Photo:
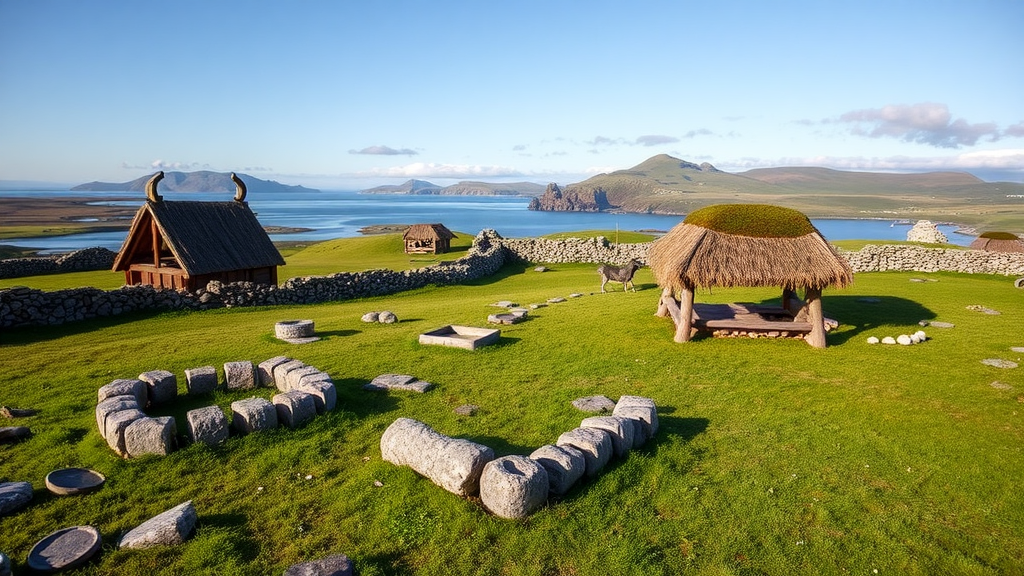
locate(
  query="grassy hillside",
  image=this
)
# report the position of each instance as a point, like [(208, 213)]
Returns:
[(773, 458)]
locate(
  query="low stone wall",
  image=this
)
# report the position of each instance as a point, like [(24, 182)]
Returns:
[(28, 307), (78, 261)]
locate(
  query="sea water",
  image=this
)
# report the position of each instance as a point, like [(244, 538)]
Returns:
[(341, 215)]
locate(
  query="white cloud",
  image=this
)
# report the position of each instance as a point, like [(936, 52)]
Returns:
[(384, 151), (434, 170), (926, 123), (655, 139)]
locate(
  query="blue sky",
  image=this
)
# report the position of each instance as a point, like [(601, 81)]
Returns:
[(344, 95)]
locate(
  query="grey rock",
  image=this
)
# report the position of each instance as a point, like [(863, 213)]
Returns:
[(252, 415), (115, 425), (936, 324), (398, 382), (505, 304), (150, 436), (387, 317), (622, 431), (65, 549), (295, 376), (999, 363), (540, 269), (14, 433), (113, 404), (265, 370), (594, 404), (240, 375), (505, 318), (168, 528), (556, 300), (325, 395), (281, 373), (289, 330), (565, 465), (161, 385), (14, 495), (640, 408), (452, 463), (983, 310), (1001, 385), (467, 410), (5, 565), (513, 486), (336, 565), (370, 317), (207, 425), (594, 443), (1017, 349), (294, 408), (202, 380), (125, 387), (317, 376)]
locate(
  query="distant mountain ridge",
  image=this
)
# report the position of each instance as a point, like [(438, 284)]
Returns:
[(201, 181), (464, 188)]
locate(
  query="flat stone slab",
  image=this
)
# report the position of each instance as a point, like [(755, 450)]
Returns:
[(168, 528), (14, 495), (594, 404), (162, 386), (505, 304), (1017, 349), (1001, 385), (983, 310), (505, 318), (467, 410), (65, 549), (937, 324), (74, 481), (467, 337), (556, 300), (336, 565), (999, 363), (14, 433), (208, 425), (397, 382)]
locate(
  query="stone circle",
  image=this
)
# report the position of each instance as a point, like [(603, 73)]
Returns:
[(323, 392), (621, 430), (336, 565), (150, 436), (125, 387), (73, 481), (168, 528), (14, 495), (265, 370), (207, 425), (161, 385), (513, 486), (294, 408), (65, 549)]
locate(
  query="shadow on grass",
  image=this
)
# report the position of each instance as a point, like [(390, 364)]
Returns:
[(352, 398), (507, 270), (501, 446), (340, 333), (868, 313), (385, 564)]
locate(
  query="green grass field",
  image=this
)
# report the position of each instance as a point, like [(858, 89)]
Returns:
[(773, 457)]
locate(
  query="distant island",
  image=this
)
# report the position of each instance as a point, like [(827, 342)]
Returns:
[(465, 188), (201, 181)]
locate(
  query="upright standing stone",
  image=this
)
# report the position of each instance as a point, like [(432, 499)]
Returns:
[(452, 463), (621, 430), (252, 415), (565, 465), (594, 443), (116, 424), (14, 495), (294, 408), (266, 370), (513, 486), (110, 405), (161, 385), (239, 375), (150, 436), (325, 396), (166, 529), (207, 425), (202, 380), (124, 387), (642, 409)]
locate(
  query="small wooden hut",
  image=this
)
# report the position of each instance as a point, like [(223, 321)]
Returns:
[(998, 242), (185, 245), (747, 245), (428, 239)]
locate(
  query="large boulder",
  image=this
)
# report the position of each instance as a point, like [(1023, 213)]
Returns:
[(565, 465), (166, 529), (125, 387), (622, 431), (513, 486), (150, 436), (452, 463), (594, 443), (208, 425), (14, 495), (161, 385)]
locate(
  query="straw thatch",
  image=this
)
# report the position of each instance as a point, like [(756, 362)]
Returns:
[(998, 242), (428, 232), (699, 256), (204, 237)]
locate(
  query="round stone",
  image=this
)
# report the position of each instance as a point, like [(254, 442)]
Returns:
[(65, 549), (873, 340), (387, 317), (904, 340), (71, 481), (289, 329)]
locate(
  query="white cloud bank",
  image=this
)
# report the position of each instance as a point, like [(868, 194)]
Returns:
[(926, 123)]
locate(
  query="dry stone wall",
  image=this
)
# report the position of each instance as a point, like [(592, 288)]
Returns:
[(22, 306), (78, 261)]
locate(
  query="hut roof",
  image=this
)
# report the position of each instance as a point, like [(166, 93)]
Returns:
[(747, 245), (207, 237), (427, 232), (998, 242)]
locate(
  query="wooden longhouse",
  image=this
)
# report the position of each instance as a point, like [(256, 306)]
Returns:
[(427, 239), (185, 245), (747, 245)]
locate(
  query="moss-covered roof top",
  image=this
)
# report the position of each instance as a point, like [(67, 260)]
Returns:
[(999, 235), (753, 220)]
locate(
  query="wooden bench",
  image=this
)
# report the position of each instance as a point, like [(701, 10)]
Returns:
[(741, 318)]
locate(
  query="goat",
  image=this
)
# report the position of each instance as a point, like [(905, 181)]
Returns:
[(622, 274)]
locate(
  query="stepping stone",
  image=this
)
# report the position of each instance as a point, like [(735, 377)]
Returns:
[(594, 443), (594, 404), (253, 415), (161, 385), (505, 304), (265, 371), (115, 426), (14, 433), (65, 549), (467, 410), (336, 565), (294, 408), (240, 375), (165, 529), (74, 481), (281, 373), (538, 305), (150, 436), (937, 324), (208, 425), (505, 318), (565, 465), (14, 495), (575, 295), (513, 486), (999, 363), (202, 380), (111, 405), (556, 300), (325, 395), (622, 431), (983, 310), (1001, 385), (397, 382), (123, 387), (1017, 349), (540, 269)]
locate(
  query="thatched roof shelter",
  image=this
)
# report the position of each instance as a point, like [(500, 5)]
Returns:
[(998, 242), (184, 245), (427, 238), (747, 245)]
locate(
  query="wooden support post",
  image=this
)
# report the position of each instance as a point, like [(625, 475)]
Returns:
[(156, 242), (685, 325), (662, 305), (816, 317)]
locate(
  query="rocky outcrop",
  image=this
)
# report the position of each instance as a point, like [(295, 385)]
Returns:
[(927, 232), (573, 199)]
